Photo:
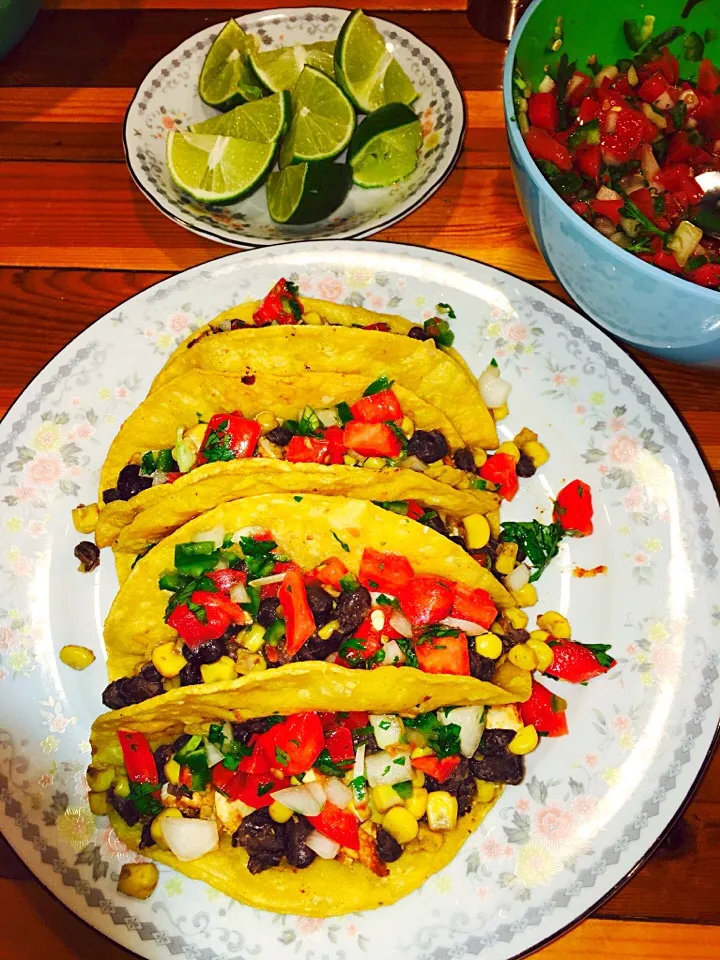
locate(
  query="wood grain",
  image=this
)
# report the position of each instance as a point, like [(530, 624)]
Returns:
[(238, 6)]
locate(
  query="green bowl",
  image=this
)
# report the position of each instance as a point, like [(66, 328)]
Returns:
[(16, 18)]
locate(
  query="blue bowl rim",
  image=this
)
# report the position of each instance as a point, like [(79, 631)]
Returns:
[(648, 270)]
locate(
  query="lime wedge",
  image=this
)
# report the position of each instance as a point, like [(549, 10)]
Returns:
[(279, 69), (217, 170), (226, 78), (321, 55), (263, 121), (322, 123), (384, 148), (365, 68), (307, 192)]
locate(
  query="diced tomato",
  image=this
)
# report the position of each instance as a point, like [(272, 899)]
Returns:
[(312, 450), (223, 778), (269, 590), (545, 711), (543, 146), (229, 436), (256, 790), (338, 825), (708, 80), (500, 469), (233, 611), (281, 305), (356, 718), (588, 159), (299, 621), (475, 605), (578, 663), (608, 208), (622, 85), (384, 571), (173, 476), (444, 655), (414, 510), (643, 200), (666, 64), (620, 145), (377, 408), (574, 510), (364, 643), (666, 261), (589, 110), (426, 600), (578, 86), (339, 744), (185, 778), (256, 763), (438, 769), (334, 436), (330, 572), (225, 580), (293, 745), (543, 111), (372, 439), (139, 761), (195, 631), (651, 88), (380, 325), (708, 275)]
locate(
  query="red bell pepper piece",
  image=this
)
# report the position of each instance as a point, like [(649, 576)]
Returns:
[(139, 760), (653, 87), (173, 476), (384, 571), (185, 777), (380, 325), (338, 825), (500, 469), (589, 110), (292, 746), (544, 711), (543, 146), (299, 621), (281, 305), (436, 768), (666, 261), (444, 655), (372, 439), (574, 510), (414, 510), (225, 580), (330, 572), (361, 646), (543, 111), (312, 450), (708, 275), (339, 744), (577, 87), (426, 600), (475, 605), (708, 81), (578, 663), (588, 159), (608, 208), (229, 436), (377, 408), (194, 631)]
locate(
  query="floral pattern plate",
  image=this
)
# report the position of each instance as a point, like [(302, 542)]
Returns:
[(167, 99), (593, 803)]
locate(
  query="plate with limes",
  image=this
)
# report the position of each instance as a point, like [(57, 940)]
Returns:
[(294, 123)]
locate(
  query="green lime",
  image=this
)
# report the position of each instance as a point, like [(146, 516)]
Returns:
[(263, 121), (280, 69), (365, 68), (321, 55), (307, 192), (217, 170), (384, 148), (323, 120), (226, 78)]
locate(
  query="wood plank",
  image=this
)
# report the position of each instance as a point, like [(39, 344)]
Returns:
[(137, 39), (243, 5)]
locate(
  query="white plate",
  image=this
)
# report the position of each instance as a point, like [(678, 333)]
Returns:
[(593, 802), (167, 99)]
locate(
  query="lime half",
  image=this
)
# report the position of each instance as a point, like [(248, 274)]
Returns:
[(214, 169), (384, 148), (226, 78), (321, 55), (323, 120), (307, 192), (263, 121), (365, 68), (280, 69)]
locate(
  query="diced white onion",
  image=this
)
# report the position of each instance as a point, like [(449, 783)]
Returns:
[(494, 390), (388, 729), (323, 846), (393, 653), (261, 581), (413, 463), (328, 418), (227, 731), (388, 768), (546, 85), (247, 532), (213, 754), (611, 122), (491, 371), (518, 578), (649, 165), (399, 622), (358, 777), (238, 593), (657, 118), (684, 241), (190, 839), (467, 626), (300, 800), (611, 72), (377, 619), (664, 101), (338, 793), (216, 535), (605, 193), (470, 721), (573, 83), (316, 789), (158, 478)]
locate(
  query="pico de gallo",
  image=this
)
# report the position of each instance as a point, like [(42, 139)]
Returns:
[(623, 143)]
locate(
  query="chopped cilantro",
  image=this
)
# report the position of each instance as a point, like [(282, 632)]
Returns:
[(298, 499), (342, 543), (540, 542), (282, 757), (377, 386), (444, 739), (444, 309), (329, 767)]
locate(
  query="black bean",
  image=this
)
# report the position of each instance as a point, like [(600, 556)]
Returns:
[(180, 742), (109, 496), (428, 446), (150, 673), (126, 809), (162, 755), (259, 834), (317, 649), (130, 483), (435, 523), (190, 675), (88, 555), (512, 637), (128, 690), (525, 467), (419, 333), (460, 541), (208, 652), (248, 728), (494, 762), (112, 696), (297, 852), (259, 862), (352, 606), (146, 838), (464, 460), (453, 783), (482, 668), (268, 611), (321, 605), (280, 436), (239, 324), (388, 849), (365, 735)]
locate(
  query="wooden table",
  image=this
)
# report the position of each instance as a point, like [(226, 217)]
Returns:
[(77, 237)]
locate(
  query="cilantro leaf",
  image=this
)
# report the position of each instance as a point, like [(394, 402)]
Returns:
[(539, 541)]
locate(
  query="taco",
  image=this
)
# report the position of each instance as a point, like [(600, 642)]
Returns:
[(306, 790), (270, 580), (286, 349)]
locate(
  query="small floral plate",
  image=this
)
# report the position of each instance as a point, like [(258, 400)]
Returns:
[(168, 99), (593, 803)]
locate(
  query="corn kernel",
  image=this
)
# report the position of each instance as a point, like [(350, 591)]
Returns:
[(121, 787), (480, 458), (172, 772), (171, 683), (99, 780), (407, 427), (555, 624), (488, 645), (385, 797), (524, 437), (526, 596), (506, 557), (477, 531), (98, 803), (516, 617), (259, 664), (76, 657), (418, 778), (538, 453), (493, 519), (279, 812), (85, 518), (156, 831), (138, 880), (523, 656), (314, 319), (539, 635), (497, 629), (524, 741), (268, 421), (442, 811), (401, 825), (222, 669), (329, 629), (542, 651), (499, 413), (417, 803), (375, 463), (253, 638), (421, 752), (166, 659), (485, 791), (375, 814), (510, 448)]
